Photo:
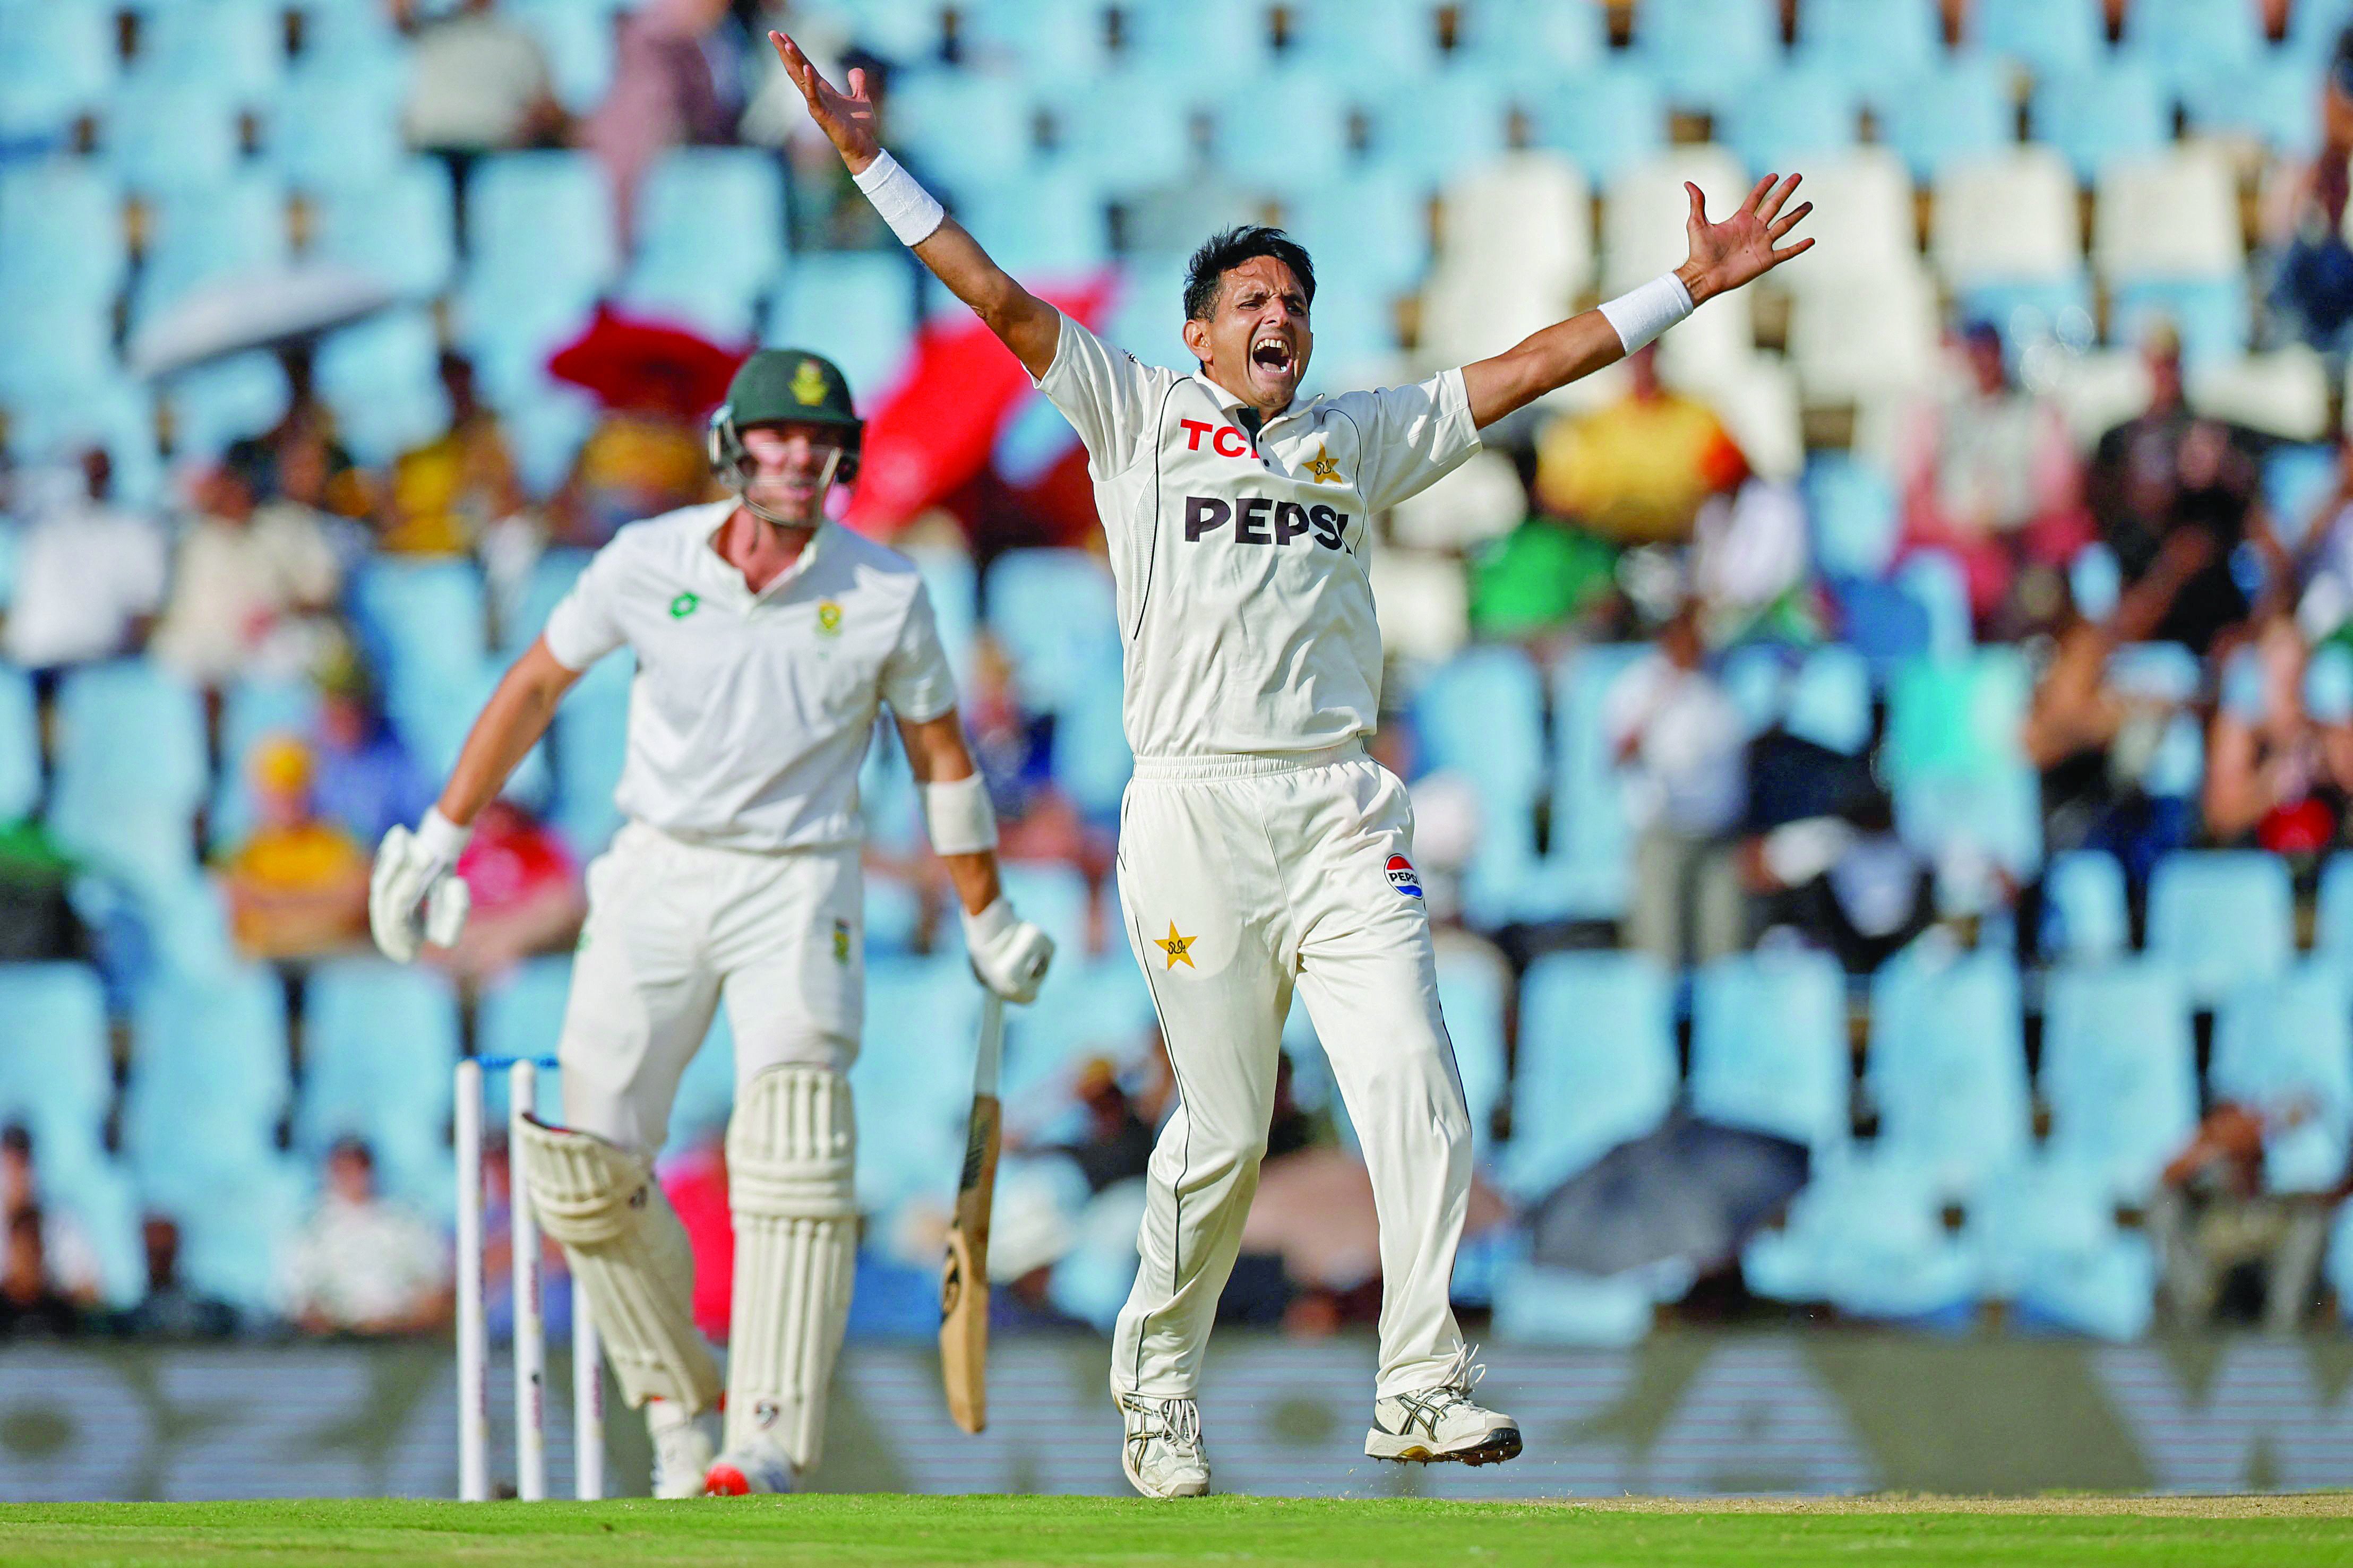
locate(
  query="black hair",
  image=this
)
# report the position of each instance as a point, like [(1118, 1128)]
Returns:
[(1229, 248)]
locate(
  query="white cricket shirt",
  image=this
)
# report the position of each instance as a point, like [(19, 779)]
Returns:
[(750, 712), (1246, 614)]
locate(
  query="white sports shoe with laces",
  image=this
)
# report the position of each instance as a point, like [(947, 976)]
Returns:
[(682, 1452), (1162, 1453), (1434, 1424)]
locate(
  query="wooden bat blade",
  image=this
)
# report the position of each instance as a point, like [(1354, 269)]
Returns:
[(964, 1281)]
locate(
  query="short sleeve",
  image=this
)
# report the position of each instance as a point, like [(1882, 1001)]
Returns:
[(916, 681), (1106, 394), (1412, 436), (586, 624)]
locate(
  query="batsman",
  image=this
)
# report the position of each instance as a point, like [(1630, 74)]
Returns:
[(1260, 848), (767, 638)]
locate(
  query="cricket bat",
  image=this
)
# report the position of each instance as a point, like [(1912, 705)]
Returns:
[(964, 1284)]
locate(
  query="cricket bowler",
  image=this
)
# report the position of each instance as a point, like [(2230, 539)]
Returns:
[(767, 639), (1260, 846)]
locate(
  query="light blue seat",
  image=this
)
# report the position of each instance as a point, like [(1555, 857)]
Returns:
[(1947, 1064), (1052, 612), (2299, 478), (2119, 1072), (1053, 894), (1440, 125), (1769, 1047), (1799, 114), (1088, 1008), (1472, 990), (1316, 108), (1053, 221), (355, 46), (62, 230), (1375, 222), (1875, 47), (2032, 311), (954, 589), (542, 217), (1537, 1304), (379, 1042), (55, 1077), (236, 46), (1365, 41), (2045, 35), (1954, 763), (521, 621), (1704, 52), (1047, 38), (508, 329), (706, 1091), (2267, 97), (164, 134), (2314, 27), (590, 740), (921, 1015), (1755, 676), (401, 226), (1852, 506), (578, 37), (1590, 857), (131, 769), (1867, 1234), (2284, 1047), (1950, 114), (2084, 913), (2101, 116), (381, 380), (1597, 1065), (1828, 699), (2212, 315), (1608, 120), (2220, 919), (56, 62), (963, 128), (1532, 42), (211, 234), (254, 707), (217, 404), (20, 745), (2160, 671), (323, 135), (2046, 1240), (2184, 40), (232, 1245), (862, 306), (521, 1013), (2332, 938), (1481, 716), (1129, 127), (687, 269), (210, 1083), (427, 623)]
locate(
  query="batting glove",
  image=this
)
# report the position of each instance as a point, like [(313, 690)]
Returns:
[(414, 894), (1008, 953)]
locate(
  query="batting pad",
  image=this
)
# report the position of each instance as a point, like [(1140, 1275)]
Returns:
[(791, 1151), (631, 1254)]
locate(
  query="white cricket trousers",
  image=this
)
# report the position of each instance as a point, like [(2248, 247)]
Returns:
[(673, 927), (1241, 877)]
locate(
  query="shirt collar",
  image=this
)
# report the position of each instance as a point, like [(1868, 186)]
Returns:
[(1228, 402), (720, 569)]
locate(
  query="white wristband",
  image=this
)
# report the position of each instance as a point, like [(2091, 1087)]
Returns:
[(441, 838), (958, 817), (912, 212), (1641, 314)]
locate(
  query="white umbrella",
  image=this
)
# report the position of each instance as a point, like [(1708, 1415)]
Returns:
[(255, 310)]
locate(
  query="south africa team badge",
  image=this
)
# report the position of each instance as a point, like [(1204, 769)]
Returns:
[(1402, 878)]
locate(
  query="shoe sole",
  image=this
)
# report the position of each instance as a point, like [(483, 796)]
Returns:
[(1502, 1444), (1200, 1490)]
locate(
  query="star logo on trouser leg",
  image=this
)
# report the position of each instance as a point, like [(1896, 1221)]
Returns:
[(1179, 949)]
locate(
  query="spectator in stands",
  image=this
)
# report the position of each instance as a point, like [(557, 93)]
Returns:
[(361, 1264), (2175, 495), (527, 893), (172, 1309), (1989, 475), (1677, 734), (31, 1303), (640, 461), (1013, 749), (2305, 224), (445, 494), (298, 886), (89, 574), (1545, 577), (479, 83), (2323, 566), (2211, 1219), (2277, 775), (367, 781), (2094, 746), (251, 582), (1117, 1142), (498, 1256), (1635, 470), (664, 94), (69, 1259)]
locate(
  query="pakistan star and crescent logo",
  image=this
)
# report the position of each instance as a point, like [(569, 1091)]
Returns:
[(1179, 949), (684, 606), (1324, 467), (808, 384)]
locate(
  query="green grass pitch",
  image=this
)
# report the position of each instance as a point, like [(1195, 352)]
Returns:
[(2060, 1533)]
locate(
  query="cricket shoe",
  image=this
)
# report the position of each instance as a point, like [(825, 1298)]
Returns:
[(1431, 1426), (682, 1452), (1161, 1454), (755, 1468)]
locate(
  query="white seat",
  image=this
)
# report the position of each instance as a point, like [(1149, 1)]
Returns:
[(2173, 216), (1713, 343), (1862, 215), (1643, 224), (2283, 392), (2007, 220), (1424, 604), (2099, 391), (1482, 500), (1515, 250), (1861, 335)]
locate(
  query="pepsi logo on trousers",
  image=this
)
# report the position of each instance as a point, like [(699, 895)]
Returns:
[(1402, 878)]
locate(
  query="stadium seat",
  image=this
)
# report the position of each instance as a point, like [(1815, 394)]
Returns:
[(1587, 865), (2182, 41), (381, 380), (2047, 36), (2221, 919), (2096, 118), (2120, 1071), (1796, 117), (20, 746), (210, 1083), (427, 625), (235, 45), (1852, 508), (2161, 671), (62, 230), (217, 404), (1089, 1007), (590, 739), (541, 219), (2211, 314), (1829, 701), (1606, 120), (1539, 1305), (2174, 215), (2332, 937), (401, 228), (1480, 717), (963, 128), (2267, 99), (232, 1235), (1862, 219), (1047, 223), (210, 234), (523, 616), (1704, 52), (2283, 393), (675, 238), (1867, 1235), (130, 771), (578, 38), (1877, 48), (1531, 42), (1052, 611), (861, 306), (920, 1013), (379, 1042), (706, 1089), (253, 708), (955, 591), (1948, 1063), (1862, 335), (1128, 127), (1769, 1047), (55, 1077), (2283, 1047), (1472, 987), (56, 63), (1646, 207), (2083, 914), (355, 46), (1517, 251), (2032, 315), (323, 135), (1597, 1065), (1382, 38), (1950, 115), (2046, 1240), (2007, 220), (1376, 224), (170, 135)]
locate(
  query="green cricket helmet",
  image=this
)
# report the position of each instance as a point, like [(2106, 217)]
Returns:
[(784, 387)]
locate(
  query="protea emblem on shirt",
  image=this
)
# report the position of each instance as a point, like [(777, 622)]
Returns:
[(829, 618)]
